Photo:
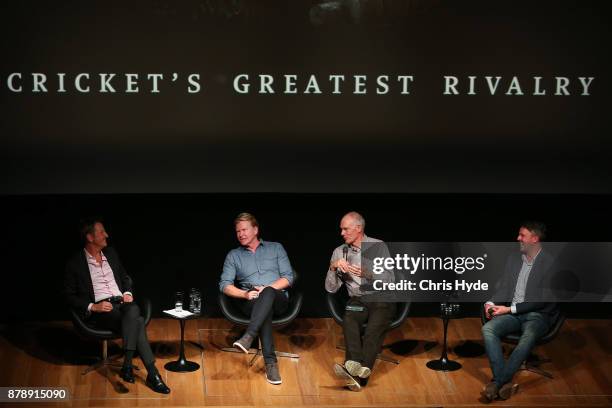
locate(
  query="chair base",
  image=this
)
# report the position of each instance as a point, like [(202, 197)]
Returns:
[(379, 356), (108, 362), (257, 352), (105, 361), (533, 364)]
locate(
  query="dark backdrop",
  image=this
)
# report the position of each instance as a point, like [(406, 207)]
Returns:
[(220, 141)]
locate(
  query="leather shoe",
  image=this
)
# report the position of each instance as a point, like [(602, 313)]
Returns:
[(507, 390), (490, 391), (156, 383), (127, 374)]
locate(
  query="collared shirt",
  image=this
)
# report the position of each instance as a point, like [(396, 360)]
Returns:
[(521, 282), (102, 278), (333, 281), (267, 264)]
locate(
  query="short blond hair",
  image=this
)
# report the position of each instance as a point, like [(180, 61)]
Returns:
[(245, 216)]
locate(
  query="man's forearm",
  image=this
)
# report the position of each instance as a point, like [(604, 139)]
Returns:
[(332, 282), (232, 291), (280, 284)]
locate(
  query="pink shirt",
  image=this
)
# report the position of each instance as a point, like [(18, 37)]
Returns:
[(102, 278)]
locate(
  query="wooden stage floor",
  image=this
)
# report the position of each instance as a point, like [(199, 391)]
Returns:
[(53, 355)]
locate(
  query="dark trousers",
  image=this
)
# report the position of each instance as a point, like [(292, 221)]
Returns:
[(125, 318), (270, 302), (377, 317)]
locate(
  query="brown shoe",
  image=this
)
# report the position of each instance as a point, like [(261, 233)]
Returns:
[(507, 390), (489, 392)]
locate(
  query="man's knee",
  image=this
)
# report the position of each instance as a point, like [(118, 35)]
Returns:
[(378, 326), (131, 311), (268, 291), (488, 330), (350, 320), (532, 333)]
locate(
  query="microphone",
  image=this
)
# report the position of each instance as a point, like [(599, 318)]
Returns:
[(339, 273)]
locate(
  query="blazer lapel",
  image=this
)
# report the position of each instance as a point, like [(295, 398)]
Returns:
[(538, 270)]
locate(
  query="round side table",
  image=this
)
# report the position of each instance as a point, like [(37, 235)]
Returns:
[(448, 311), (182, 364)]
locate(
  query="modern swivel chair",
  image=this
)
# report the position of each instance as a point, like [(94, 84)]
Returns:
[(236, 316), (534, 362), (336, 302), (105, 335)]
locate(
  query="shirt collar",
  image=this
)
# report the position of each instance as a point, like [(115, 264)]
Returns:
[(356, 248), (261, 243), (525, 260), (90, 257)]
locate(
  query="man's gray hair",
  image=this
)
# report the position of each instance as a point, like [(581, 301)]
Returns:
[(357, 218)]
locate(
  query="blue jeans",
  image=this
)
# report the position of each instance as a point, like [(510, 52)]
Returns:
[(532, 326)]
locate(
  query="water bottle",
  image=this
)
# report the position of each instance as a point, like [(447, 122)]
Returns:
[(197, 304), (192, 296)]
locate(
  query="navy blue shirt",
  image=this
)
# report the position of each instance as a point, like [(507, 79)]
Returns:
[(266, 265)]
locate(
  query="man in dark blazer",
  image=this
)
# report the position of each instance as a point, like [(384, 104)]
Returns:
[(98, 288), (517, 306)]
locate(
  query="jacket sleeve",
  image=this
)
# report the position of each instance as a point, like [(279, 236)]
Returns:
[(535, 296), (75, 294), (526, 307)]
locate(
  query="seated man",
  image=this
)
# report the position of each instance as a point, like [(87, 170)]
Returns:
[(517, 307), (345, 268), (257, 273), (98, 288)]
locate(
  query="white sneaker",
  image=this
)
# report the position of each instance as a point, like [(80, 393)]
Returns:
[(356, 369), (351, 382)]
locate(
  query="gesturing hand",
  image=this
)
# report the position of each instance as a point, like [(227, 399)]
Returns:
[(354, 270), (340, 264)]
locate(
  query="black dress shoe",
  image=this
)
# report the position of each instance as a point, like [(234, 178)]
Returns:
[(127, 374), (156, 383)]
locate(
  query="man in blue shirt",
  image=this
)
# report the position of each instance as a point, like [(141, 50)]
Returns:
[(257, 274)]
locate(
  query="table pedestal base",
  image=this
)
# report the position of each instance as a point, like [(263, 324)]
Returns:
[(181, 366), (443, 364)]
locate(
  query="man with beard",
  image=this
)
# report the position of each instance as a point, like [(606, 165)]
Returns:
[(517, 307)]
